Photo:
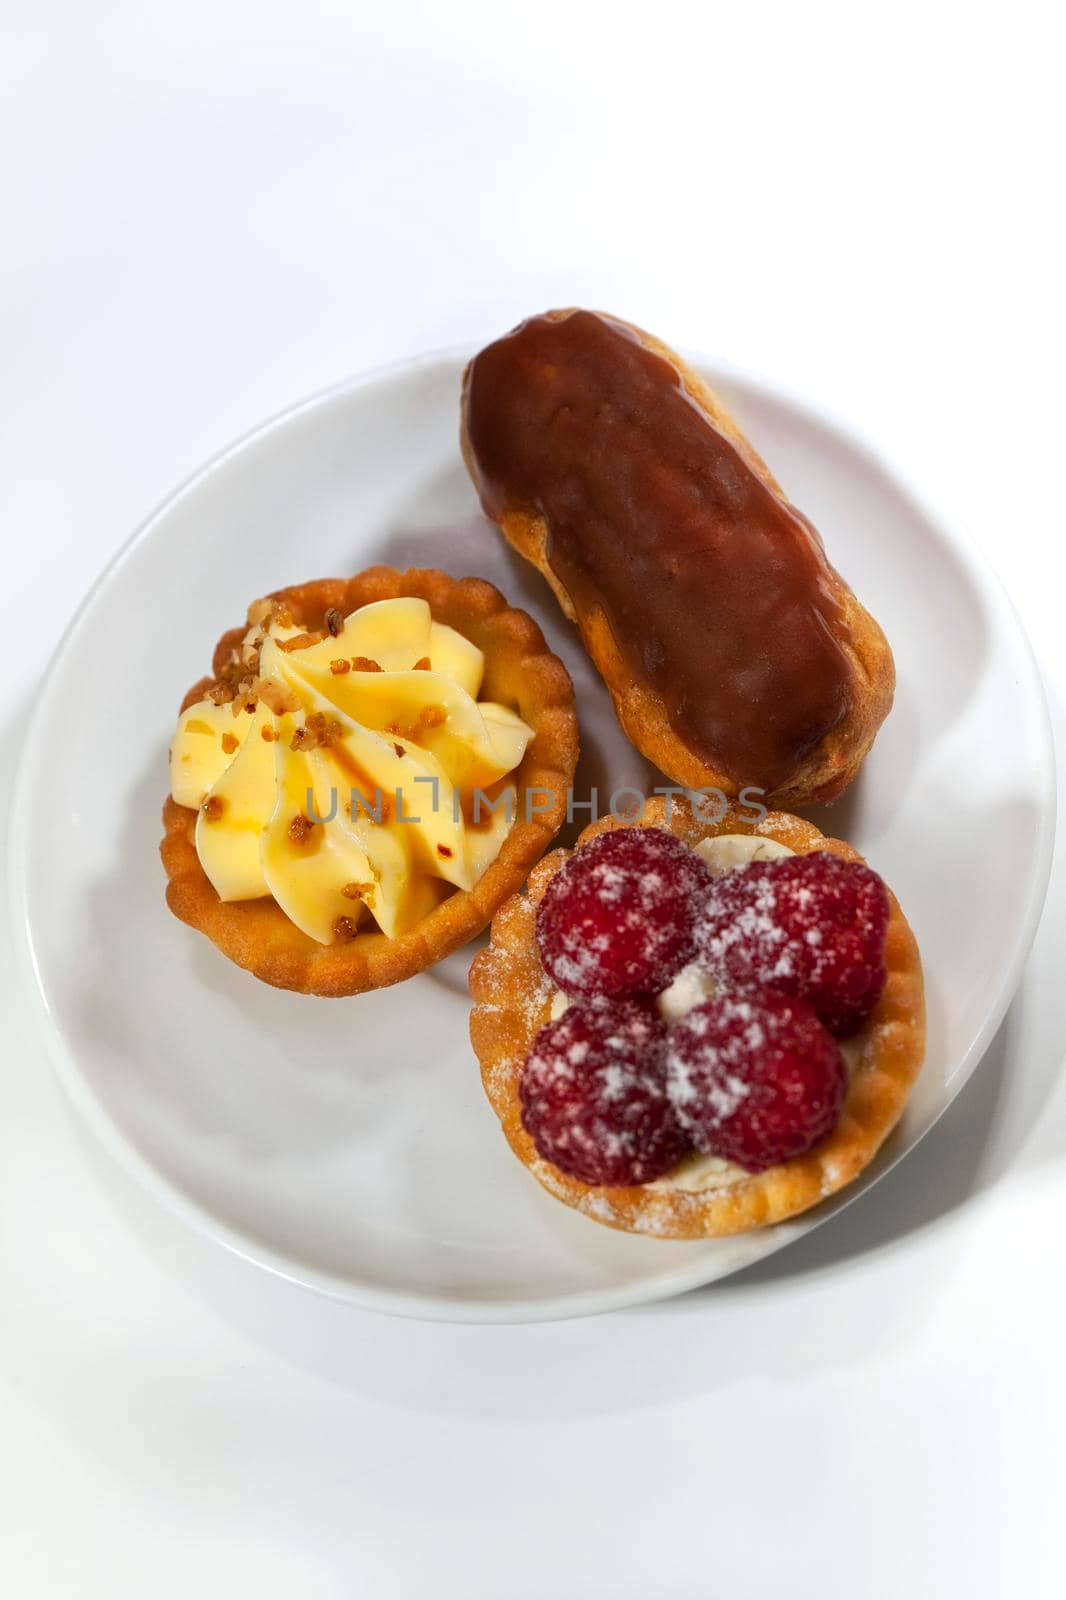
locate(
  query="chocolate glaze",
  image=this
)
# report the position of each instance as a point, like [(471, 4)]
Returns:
[(716, 590)]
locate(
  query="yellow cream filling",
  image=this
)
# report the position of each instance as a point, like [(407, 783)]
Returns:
[(378, 786)]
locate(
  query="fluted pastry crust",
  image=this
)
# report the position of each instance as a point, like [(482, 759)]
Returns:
[(827, 769), (519, 670), (512, 1001)]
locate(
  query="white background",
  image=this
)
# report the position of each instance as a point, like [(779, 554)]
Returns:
[(206, 212)]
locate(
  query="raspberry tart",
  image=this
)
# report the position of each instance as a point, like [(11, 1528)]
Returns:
[(690, 1028), (372, 768)]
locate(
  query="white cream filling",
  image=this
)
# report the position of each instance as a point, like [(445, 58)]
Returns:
[(691, 987)]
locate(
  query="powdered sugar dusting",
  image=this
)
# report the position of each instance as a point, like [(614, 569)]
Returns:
[(619, 916), (514, 985), (755, 1079), (812, 926), (719, 1086), (593, 1095)]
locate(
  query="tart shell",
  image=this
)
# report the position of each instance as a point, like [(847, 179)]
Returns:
[(519, 671), (512, 1001)]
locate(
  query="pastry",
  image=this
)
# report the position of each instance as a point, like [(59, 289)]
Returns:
[(735, 655), (693, 1028), (373, 767)]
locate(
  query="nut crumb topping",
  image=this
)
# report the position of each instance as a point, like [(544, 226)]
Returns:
[(275, 696), (423, 664), (339, 666), (343, 930), (229, 743), (399, 749), (238, 687), (299, 641), (268, 733), (358, 891), (432, 716), (213, 807), (365, 664), (334, 621), (317, 733), (300, 829), (445, 850)]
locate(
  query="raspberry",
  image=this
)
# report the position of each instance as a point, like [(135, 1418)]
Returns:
[(593, 1094), (755, 1079), (812, 926), (618, 918)]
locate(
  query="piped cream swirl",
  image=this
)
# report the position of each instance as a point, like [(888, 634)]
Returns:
[(359, 776)]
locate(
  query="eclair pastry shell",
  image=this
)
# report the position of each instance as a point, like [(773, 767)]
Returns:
[(827, 769), (519, 670), (512, 1000)]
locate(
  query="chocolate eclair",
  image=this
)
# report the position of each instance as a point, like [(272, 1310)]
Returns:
[(735, 654)]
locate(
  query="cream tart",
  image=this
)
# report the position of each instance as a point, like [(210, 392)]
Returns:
[(372, 768), (690, 1028)]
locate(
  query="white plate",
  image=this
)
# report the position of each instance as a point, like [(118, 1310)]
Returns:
[(346, 1144)]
